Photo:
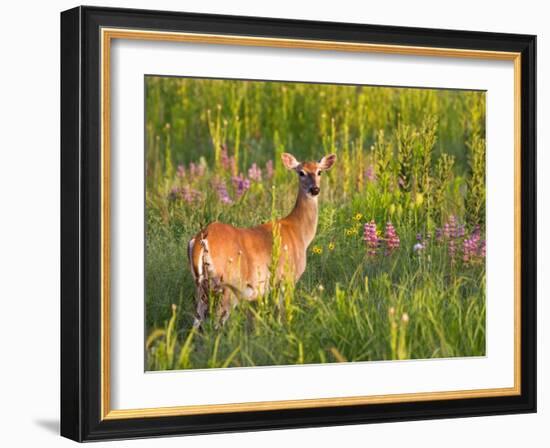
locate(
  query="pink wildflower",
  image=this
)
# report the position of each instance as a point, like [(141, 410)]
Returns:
[(224, 156), (180, 171), (185, 193), (370, 174), (370, 237), (392, 239), (255, 173)]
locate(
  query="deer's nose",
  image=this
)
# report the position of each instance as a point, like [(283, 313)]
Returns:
[(314, 191)]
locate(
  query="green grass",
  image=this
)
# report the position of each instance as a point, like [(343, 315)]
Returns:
[(426, 151)]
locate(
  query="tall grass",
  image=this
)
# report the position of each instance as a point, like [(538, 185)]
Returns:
[(412, 157)]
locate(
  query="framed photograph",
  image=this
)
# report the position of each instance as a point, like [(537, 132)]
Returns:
[(276, 224)]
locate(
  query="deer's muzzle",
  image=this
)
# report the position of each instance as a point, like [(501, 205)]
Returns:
[(314, 191)]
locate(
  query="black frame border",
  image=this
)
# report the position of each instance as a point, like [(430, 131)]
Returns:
[(81, 223)]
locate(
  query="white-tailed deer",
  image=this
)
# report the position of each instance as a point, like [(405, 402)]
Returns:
[(236, 261)]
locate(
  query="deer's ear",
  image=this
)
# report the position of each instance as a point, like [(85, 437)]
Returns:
[(326, 162), (289, 161)]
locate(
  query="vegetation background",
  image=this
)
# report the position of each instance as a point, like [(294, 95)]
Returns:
[(397, 269)]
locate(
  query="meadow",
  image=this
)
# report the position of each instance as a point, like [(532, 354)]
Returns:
[(397, 267)]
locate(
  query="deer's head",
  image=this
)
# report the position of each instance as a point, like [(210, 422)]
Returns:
[(309, 173)]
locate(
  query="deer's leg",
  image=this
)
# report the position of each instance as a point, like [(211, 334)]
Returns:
[(202, 303), (224, 308)]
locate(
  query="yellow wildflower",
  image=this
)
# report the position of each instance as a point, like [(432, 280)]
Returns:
[(331, 246), (317, 250), (358, 217)]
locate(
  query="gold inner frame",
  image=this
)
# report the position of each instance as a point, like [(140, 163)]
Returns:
[(107, 35)]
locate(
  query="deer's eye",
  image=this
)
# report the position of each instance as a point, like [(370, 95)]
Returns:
[(319, 173), (302, 174)]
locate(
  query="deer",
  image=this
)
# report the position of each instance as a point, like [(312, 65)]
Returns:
[(235, 262)]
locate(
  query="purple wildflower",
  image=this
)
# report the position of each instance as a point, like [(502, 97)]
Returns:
[(269, 169), (241, 184), (255, 173), (452, 250), (221, 189), (420, 243), (189, 194), (185, 193), (473, 247), (370, 237), (392, 239), (450, 228), (196, 169)]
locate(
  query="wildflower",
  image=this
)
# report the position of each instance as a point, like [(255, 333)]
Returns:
[(185, 193), (358, 217), (317, 250), (269, 169), (197, 169), (180, 172), (331, 246), (405, 318), (370, 174), (321, 288), (174, 193), (420, 244), (189, 194), (225, 159), (193, 169), (452, 250), (450, 228), (255, 173), (370, 237), (241, 184), (472, 246), (221, 189), (392, 239)]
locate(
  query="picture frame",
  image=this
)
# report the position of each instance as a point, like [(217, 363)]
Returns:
[(86, 37)]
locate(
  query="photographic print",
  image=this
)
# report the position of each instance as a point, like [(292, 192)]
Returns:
[(343, 212), (301, 223)]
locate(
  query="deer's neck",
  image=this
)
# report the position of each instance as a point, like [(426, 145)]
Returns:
[(304, 217)]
